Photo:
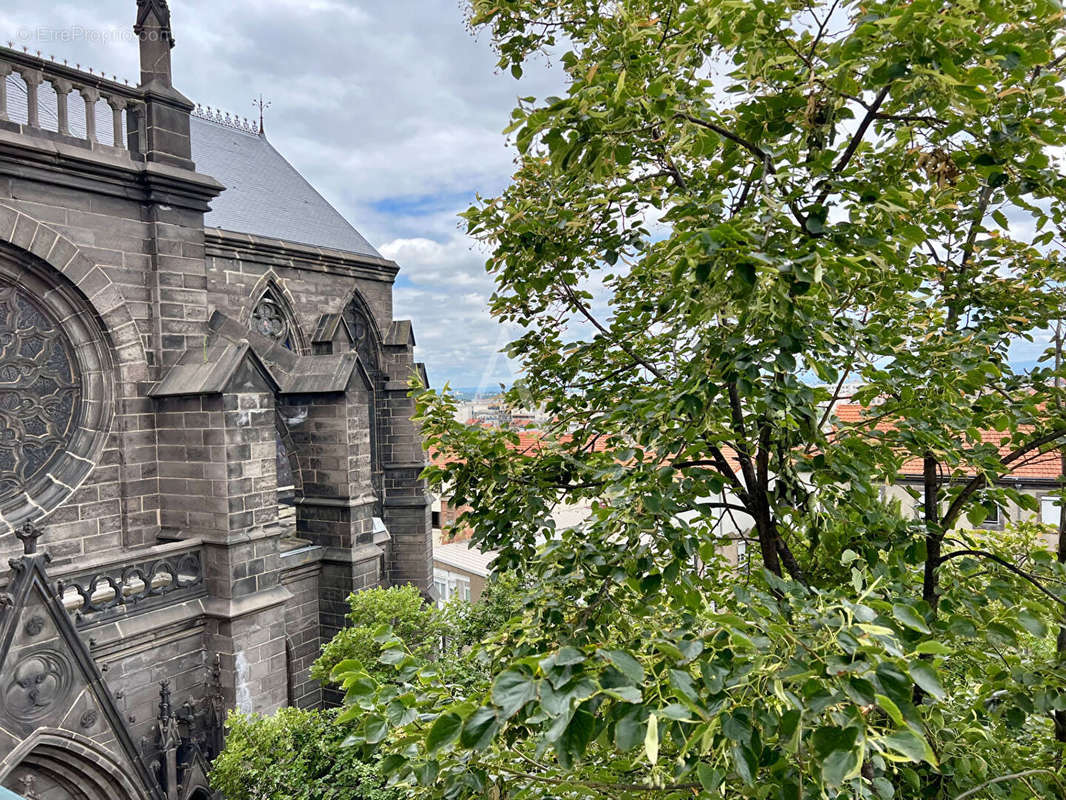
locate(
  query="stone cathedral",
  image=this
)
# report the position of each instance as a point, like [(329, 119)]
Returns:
[(205, 429)]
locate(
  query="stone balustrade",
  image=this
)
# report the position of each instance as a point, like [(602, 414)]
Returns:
[(45, 111), (134, 583)]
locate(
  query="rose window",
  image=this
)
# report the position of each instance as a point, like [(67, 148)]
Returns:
[(40, 391)]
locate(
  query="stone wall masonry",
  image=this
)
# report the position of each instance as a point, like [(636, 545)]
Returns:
[(128, 239), (152, 648), (252, 649), (251, 449), (193, 464), (301, 576), (318, 280), (117, 505)]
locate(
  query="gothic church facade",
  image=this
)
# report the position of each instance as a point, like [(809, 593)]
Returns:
[(206, 440)]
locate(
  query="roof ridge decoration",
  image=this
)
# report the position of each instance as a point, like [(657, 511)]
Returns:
[(226, 119)]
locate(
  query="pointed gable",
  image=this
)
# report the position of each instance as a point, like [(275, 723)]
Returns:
[(53, 698)]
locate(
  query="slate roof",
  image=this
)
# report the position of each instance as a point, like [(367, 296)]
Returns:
[(265, 195)]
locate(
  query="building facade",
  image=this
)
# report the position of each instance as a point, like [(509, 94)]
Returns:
[(206, 440)]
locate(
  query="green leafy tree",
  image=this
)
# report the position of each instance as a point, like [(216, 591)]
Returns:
[(738, 208), (419, 624), (294, 755)]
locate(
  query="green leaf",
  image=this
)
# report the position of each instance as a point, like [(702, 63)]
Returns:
[(511, 690), (745, 763), (627, 694), (910, 618), (445, 732), (568, 656), (925, 676), (651, 740), (911, 746), (383, 633), (629, 731), (890, 708), (626, 664), (571, 746), (709, 777), (375, 729), (479, 729), (1033, 624), (840, 765), (933, 648), (342, 668)]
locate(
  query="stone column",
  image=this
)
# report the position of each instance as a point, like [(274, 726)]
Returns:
[(5, 70), (63, 89), (91, 95), (34, 78)]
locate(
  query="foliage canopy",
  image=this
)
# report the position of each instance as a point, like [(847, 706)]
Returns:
[(777, 198)]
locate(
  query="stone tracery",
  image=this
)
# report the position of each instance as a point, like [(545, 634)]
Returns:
[(40, 390)]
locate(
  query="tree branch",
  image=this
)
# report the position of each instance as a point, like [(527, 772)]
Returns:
[(856, 140), (576, 301), (751, 147), (1021, 573)]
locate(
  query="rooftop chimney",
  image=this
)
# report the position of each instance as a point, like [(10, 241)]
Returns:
[(166, 110)]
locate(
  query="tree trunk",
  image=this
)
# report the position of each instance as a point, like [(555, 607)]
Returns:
[(934, 536), (1060, 716)]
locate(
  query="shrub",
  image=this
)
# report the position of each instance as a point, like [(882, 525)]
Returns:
[(421, 625), (294, 755)]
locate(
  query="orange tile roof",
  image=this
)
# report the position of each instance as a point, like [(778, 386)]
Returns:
[(529, 442), (1040, 465)]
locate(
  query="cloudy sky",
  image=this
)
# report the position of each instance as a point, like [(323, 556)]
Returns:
[(391, 108)]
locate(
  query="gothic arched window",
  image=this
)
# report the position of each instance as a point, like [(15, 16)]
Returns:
[(367, 343), (363, 333)]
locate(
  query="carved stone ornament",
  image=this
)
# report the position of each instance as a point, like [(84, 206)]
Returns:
[(89, 718), (40, 391), (269, 320), (145, 9), (38, 682), (34, 626), (28, 534)]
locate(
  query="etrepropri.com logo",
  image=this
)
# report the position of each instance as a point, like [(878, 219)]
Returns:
[(74, 34)]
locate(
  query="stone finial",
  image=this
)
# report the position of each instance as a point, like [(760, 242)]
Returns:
[(165, 711), (146, 10), (28, 534), (156, 40)]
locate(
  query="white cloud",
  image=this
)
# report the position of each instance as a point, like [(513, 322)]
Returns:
[(391, 109)]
